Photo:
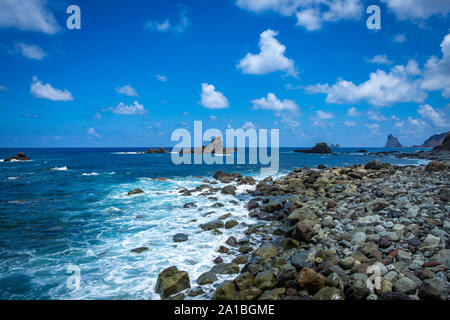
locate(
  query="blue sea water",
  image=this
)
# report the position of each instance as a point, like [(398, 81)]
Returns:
[(69, 207)]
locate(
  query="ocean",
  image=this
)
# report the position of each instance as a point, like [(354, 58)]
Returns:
[(69, 207)]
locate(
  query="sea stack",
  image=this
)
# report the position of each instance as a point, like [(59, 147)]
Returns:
[(392, 142)]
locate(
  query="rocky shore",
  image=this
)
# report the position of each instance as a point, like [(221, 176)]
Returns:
[(363, 232)]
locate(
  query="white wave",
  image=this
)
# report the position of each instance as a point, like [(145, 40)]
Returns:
[(127, 152), (90, 174), (13, 178), (59, 169)]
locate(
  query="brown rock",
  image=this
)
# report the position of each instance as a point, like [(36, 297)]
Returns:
[(310, 280)]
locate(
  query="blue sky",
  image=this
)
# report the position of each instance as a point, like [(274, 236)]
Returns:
[(137, 70)]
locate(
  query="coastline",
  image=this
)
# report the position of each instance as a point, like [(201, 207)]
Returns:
[(318, 232)]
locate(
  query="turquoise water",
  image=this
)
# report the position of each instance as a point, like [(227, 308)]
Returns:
[(70, 207)]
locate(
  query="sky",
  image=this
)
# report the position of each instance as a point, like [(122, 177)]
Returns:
[(138, 70)]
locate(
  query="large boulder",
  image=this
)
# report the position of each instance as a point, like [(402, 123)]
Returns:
[(433, 289), (225, 291), (215, 224), (18, 157), (266, 250), (135, 191), (229, 190), (303, 231), (373, 165), (172, 281), (310, 280), (436, 166), (225, 268), (206, 278)]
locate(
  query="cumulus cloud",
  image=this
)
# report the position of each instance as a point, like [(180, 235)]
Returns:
[(376, 116), (30, 51), (322, 115), (310, 14), (27, 15), (352, 112), (382, 89), (46, 91), (273, 103), (212, 99), (417, 123), (380, 59), (135, 109), (166, 26), (92, 133), (350, 123), (437, 71), (436, 118), (373, 128), (248, 125), (161, 78), (271, 57), (127, 90), (417, 9), (399, 38)]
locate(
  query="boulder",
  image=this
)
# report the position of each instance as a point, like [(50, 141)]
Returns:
[(180, 237), (373, 165), (320, 147), (433, 289), (225, 291), (310, 280), (436, 166), (139, 250), (266, 250), (215, 224), (18, 157), (206, 278), (135, 191), (328, 293), (229, 190), (225, 268), (171, 281), (303, 231)]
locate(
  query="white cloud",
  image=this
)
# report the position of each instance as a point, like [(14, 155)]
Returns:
[(350, 123), (46, 91), (273, 103), (352, 112), (382, 89), (437, 72), (380, 59), (127, 90), (212, 99), (27, 15), (248, 125), (376, 116), (322, 115), (166, 26), (30, 51), (436, 118), (271, 57), (212, 118), (91, 132), (161, 78), (373, 127), (419, 124), (135, 109), (417, 9), (310, 14), (399, 38)]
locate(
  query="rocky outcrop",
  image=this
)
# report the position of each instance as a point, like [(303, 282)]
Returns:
[(153, 150), (18, 157), (392, 142), (135, 191), (172, 281), (215, 147), (434, 141), (320, 147), (445, 144)]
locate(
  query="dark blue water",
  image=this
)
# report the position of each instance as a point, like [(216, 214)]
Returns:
[(69, 207)]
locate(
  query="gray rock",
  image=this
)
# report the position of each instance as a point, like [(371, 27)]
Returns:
[(433, 289), (405, 285), (206, 278)]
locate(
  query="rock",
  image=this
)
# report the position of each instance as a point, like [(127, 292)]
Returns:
[(329, 294), (302, 259), (206, 278), (445, 145), (271, 207), (135, 191), (139, 250), (249, 294), (403, 256), (431, 241), (195, 292), (436, 166), (223, 177), (180, 237), (289, 243), (252, 204), (373, 165), (377, 205), (394, 296), (385, 286), (223, 249), (245, 249), (153, 150), (172, 281), (433, 289), (359, 238), (218, 260), (321, 166), (215, 224), (303, 231), (229, 190), (189, 205), (18, 157), (392, 142), (272, 294), (310, 280), (357, 288), (231, 224), (244, 281), (320, 147), (265, 280), (405, 285), (266, 250), (240, 260), (231, 241), (225, 268), (225, 291)]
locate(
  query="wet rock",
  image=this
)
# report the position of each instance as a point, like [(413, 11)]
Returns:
[(225, 291), (252, 204), (310, 280), (245, 249), (180, 237), (266, 250), (357, 288), (139, 250), (172, 281), (231, 241), (373, 165), (229, 190), (302, 259), (303, 231), (195, 292), (223, 249), (249, 294), (215, 224), (18, 157), (265, 280), (225, 268), (206, 278), (244, 281), (189, 205), (240, 260), (433, 289), (289, 243), (329, 294), (218, 260), (231, 224), (135, 191)]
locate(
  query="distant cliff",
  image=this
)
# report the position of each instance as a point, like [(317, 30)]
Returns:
[(392, 142), (434, 141)]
